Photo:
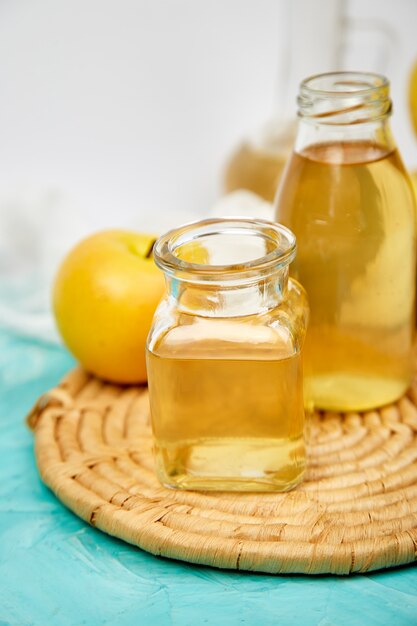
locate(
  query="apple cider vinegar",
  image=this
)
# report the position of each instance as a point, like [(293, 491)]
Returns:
[(224, 359), (350, 206), (216, 419)]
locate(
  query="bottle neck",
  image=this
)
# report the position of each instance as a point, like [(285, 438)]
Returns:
[(343, 107), (229, 300), (373, 133)]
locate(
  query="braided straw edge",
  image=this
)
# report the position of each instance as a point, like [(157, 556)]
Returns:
[(159, 521)]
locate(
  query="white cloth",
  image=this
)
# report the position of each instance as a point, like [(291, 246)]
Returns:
[(38, 230)]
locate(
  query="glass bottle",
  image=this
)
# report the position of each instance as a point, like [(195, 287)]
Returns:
[(347, 197), (224, 358)]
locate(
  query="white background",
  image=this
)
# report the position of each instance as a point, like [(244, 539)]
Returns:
[(117, 111)]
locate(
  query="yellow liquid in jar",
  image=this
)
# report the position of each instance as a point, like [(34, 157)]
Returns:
[(351, 208), (223, 424)]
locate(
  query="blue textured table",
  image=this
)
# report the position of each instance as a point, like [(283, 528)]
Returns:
[(56, 570)]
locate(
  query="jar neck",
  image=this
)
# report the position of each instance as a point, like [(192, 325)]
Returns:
[(226, 267), (344, 107), (377, 133), (226, 300)]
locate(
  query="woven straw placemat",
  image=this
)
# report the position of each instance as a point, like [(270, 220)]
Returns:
[(356, 511)]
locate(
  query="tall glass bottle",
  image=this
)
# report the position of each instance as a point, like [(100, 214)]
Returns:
[(347, 197)]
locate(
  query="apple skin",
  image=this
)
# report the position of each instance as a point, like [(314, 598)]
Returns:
[(412, 97), (104, 296), (413, 176)]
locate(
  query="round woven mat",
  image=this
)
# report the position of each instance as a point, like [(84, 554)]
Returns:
[(356, 511)]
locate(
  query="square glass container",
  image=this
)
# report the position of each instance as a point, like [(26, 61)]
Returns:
[(224, 358)]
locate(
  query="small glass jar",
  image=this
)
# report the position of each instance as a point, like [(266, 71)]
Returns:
[(224, 358)]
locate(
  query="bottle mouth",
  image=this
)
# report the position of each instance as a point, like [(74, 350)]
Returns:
[(344, 98), (225, 249)]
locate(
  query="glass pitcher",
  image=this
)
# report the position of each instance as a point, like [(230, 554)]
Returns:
[(335, 39), (347, 197)]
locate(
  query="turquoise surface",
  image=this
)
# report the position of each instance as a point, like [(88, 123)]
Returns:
[(56, 570)]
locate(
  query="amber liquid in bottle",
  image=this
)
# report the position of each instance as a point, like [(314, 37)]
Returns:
[(223, 422), (350, 207)]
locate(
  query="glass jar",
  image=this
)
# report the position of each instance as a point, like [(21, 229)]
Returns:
[(347, 197), (224, 358)]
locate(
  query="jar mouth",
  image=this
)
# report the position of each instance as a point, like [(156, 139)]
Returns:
[(342, 84), (344, 97), (225, 249)]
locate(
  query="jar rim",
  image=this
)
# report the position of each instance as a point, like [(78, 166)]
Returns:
[(363, 83), (281, 240), (344, 98)]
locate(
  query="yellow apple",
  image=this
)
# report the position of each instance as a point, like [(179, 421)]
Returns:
[(104, 297), (412, 96), (413, 176)]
